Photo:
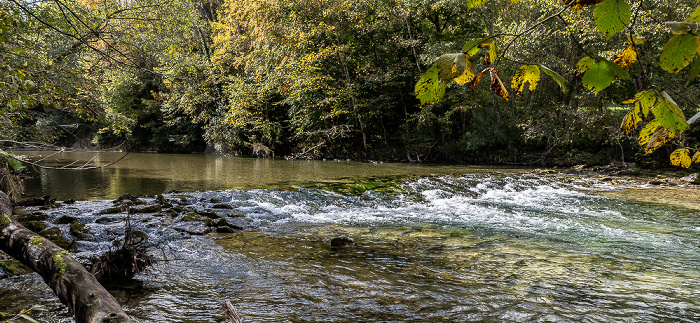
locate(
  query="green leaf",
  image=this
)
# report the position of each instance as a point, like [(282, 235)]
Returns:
[(557, 78), (644, 101), (678, 52), (598, 77), (611, 16), (472, 47), (695, 16), (694, 71), (669, 115), (492, 50), (681, 157), (526, 74), (584, 64), (429, 90)]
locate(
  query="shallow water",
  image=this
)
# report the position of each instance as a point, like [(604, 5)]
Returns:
[(516, 247)]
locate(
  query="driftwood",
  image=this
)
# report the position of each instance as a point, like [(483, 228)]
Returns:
[(70, 281), (231, 313)]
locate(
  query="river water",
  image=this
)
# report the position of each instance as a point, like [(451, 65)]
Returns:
[(462, 245)]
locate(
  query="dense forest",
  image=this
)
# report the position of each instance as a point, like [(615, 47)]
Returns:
[(338, 78)]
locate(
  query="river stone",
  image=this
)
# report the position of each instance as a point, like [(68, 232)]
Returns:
[(34, 226), (342, 242), (78, 230), (66, 219), (146, 209), (192, 217), (209, 214), (54, 234), (23, 216), (105, 220), (113, 210)]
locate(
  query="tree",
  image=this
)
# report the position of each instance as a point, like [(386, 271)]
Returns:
[(664, 119)]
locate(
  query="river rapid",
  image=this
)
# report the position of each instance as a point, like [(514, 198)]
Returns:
[(483, 245)]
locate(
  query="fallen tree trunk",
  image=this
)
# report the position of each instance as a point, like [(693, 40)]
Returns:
[(70, 281)]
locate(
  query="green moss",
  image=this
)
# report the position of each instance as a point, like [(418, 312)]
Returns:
[(4, 219), (77, 229), (59, 262), (36, 240)]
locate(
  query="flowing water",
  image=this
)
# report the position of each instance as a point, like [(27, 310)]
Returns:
[(486, 245)]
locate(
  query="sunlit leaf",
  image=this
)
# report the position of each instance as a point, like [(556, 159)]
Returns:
[(627, 58), (678, 52), (611, 16), (492, 51), (695, 16), (643, 102), (29, 319), (497, 85), (468, 74), (584, 64), (630, 121), (526, 74), (696, 157), (654, 136), (669, 115), (472, 47), (681, 157), (476, 3), (578, 5), (429, 89), (557, 78)]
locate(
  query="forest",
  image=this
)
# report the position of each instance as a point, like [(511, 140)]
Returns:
[(313, 79)]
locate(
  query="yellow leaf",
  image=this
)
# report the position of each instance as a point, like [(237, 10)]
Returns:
[(654, 136), (637, 40), (584, 64), (526, 74), (468, 74), (681, 157), (630, 121), (492, 51), (627, 58), (696, 157)]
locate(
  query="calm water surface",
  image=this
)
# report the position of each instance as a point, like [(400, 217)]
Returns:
[(478, 246)]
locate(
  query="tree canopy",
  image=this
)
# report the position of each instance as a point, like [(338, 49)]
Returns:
[(357, 79)]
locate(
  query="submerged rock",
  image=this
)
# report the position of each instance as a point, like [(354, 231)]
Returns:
[(78, 230), (146, 209), (54, 234), (342, 242)]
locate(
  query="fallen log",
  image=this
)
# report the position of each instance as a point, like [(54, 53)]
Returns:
[(70, 281), (231, 313)]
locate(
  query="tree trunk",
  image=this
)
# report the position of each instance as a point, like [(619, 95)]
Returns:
[(70, 281)]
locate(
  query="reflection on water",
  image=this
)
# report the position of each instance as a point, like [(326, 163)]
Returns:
[(142, 173)]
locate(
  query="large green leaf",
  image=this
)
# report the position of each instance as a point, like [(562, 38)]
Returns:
[(695, 16), (431, 86), (557, 78), (669, 115), (598, 77), (611, 16), (678, 52), (429, 90)]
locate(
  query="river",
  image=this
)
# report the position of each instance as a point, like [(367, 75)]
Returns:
[(448, 244)]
